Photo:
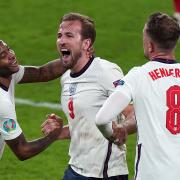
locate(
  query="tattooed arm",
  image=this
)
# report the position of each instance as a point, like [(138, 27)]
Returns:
[(44, 73)]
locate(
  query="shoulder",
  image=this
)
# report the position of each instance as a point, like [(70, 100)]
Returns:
[(7, 108), (135, 70), (134, 76), (139, 69), (65, 76), (18, 75), (106, 65)]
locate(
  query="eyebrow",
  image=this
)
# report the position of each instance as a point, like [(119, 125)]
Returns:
[(59, 33)]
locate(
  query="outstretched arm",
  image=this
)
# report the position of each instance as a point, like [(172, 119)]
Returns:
[(26, 149), (111, 108), (44, 73), (123, 129)]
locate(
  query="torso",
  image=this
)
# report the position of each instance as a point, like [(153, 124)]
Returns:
[(82, 97), (156, 95)]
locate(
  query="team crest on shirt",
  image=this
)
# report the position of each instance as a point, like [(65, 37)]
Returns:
[(9, 125), (118, 82), (72, 88)]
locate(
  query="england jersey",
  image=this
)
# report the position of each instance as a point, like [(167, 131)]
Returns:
[(83, 94), (9, 127), (155, 90)]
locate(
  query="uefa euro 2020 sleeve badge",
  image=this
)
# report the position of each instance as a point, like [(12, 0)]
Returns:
[(9, 125)]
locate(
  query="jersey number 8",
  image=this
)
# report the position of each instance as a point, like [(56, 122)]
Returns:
[(173, 112)]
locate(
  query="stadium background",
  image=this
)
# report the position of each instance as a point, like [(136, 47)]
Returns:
[(30, 28)]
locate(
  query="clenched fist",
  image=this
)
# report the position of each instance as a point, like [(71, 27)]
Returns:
[(52, 126)]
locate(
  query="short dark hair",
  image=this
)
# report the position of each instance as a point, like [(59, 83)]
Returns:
[(88, 26), (163, 30)]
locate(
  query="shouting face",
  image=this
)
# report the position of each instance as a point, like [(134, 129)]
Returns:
[(8, 62), (70, 43)]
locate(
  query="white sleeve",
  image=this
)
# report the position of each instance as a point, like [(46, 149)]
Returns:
[(133, 80), (109, 77), (117, 101), (19, 75), (114, 105), (9, 128)]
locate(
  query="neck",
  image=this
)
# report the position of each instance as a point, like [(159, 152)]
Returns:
[(80, 64), (162, 55), (6, 81)]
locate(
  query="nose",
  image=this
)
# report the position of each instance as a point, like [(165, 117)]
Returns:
[(60, 43), (61, 40)]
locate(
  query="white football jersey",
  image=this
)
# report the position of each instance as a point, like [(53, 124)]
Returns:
[(155, 90), (83, 94), (9, 127)]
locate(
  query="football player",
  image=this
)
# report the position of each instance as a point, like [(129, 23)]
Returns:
[(155, 91)]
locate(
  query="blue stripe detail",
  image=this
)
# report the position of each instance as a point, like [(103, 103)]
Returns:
[(138, 160), (105, 174), (166, 61)]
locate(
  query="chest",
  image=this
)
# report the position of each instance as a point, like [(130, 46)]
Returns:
[(82, 95)]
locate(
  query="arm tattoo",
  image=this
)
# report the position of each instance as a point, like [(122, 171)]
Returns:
[(44, 73)]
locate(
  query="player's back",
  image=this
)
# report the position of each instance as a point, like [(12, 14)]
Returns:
[(157, 106)]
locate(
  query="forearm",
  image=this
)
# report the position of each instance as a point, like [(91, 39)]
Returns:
[(111, 108), (65, 134), (44, 73), (35, 147), (26, 149), (130, 121)]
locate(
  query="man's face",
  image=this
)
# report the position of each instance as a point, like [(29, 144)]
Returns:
[(70, 43), (8, 62)]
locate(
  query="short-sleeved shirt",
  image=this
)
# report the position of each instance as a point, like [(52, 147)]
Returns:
[(9, 127), (155, 90), (83, 94)]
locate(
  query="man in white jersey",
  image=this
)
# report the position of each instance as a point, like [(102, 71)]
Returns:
[(10, 131), (155, 91), (85, 87)]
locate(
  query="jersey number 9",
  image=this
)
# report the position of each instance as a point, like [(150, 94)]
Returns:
[(71, 108)]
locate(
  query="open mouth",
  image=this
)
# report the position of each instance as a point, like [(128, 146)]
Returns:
[(65, 52), (14, 63)]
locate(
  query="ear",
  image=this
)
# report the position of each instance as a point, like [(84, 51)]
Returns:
[(150, 47), (86, 44)]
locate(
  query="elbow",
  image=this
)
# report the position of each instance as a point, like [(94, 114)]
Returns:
[(22, 157), (23, 154), (104, 127), (101, 120), (98, 121)]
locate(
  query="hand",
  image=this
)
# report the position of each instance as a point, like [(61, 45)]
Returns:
[(52, 127), (119, 135)]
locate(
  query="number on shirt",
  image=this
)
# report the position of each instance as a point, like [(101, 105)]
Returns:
[(173, 112), (71, 108)]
